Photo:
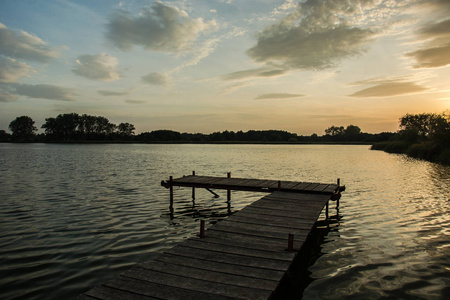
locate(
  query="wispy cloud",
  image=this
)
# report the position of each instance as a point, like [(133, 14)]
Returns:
[(22, 45), (278, 96), (111, 93), (7, 97), (388, 88), (159, 28), (156, 78), (436, 50), (252, 73), (131, 101), (12, 70), (42, 91), (102, 67)]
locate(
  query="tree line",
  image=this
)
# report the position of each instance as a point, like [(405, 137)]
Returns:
[(73, 127), (433, 129), (67, 128)]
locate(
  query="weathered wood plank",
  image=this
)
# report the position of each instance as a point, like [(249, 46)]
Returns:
[(260, 230), (261, 243), (214, 245), (297, 196), (271, 264), (226, 267), (269, 212), (279, 222), (213, 276), (192, 284), (271, 220)]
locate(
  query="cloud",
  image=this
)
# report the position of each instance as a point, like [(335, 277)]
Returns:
[(314, 37), (252, 73), (160, 28), (111, 93), (432, 57), (387, 88), (22, 45), (12, 70), (436, 52), (7, 97), (102, 67), (43, 91), (278, 96), (156, 78), (134, 101)]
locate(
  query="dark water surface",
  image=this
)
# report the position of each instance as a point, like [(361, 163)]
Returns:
[(74, 216)]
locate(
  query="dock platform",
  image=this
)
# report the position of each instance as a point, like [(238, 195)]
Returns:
[(245, 256)]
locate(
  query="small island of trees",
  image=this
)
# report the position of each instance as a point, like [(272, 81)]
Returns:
[(425, 136)]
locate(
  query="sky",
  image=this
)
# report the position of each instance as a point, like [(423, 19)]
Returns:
[(202, 66)]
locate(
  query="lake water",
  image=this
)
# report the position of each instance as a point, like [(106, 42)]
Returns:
[(74, 216)]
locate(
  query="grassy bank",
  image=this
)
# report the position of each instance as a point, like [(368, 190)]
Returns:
[(428, 150)]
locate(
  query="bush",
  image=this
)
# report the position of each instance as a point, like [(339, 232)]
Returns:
[(391, 147), (427, 150)]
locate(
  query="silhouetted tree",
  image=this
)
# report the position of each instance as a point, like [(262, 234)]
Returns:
[(22, 128), (4, 136), (334, 130), (125, 129), (352, 133)]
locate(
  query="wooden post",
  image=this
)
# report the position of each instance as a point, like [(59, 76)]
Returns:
[(339, 190), (202, 229), (171, 191), (290, 242), (228, 191), (193, 189)]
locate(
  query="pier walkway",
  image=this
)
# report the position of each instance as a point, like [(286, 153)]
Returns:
[(245, 256)]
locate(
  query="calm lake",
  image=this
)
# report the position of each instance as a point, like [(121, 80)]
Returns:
[(74, 216)]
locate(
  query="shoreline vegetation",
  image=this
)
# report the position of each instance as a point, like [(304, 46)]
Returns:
[(423, 136)]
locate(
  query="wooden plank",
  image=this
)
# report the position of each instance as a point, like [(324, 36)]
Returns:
[(269, 212), (278, 222), (271, 220), (256, 230), (294, 209), (301, 186), (297, 196), (287, 204), (207, 255), (214, 276), (320, 187), (261, 243), (192, 284), (330, 189), (230, 240), (227, 268), (146, 288), (213, 245)]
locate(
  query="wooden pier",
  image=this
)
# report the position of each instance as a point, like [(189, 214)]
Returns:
[(245, 256)]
